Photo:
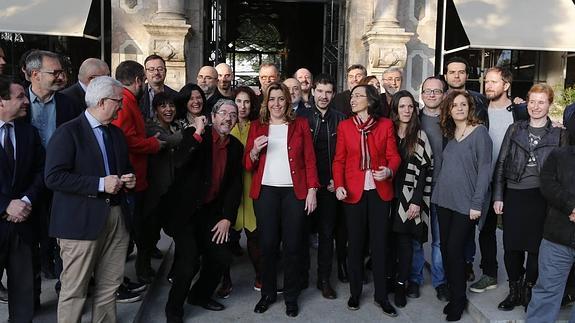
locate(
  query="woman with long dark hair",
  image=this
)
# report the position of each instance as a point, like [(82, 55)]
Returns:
[(190, 104), (410, 211), (517, 196), (279, 153), (461, 190), (366, 159)]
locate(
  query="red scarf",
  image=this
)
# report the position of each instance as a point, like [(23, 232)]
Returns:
[(364, 129)]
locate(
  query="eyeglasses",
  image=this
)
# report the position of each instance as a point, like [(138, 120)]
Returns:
[(357, 95), (156, 69), (55, 73), (118, 101), (434, 91), (224, 114), (392, 79)]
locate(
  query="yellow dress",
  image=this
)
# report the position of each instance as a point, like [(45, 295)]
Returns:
[(246, 217)]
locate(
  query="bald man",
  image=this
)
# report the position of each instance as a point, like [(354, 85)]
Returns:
[(295, 92), (208, 81), (225, 78), (90, 69), (305, 78)]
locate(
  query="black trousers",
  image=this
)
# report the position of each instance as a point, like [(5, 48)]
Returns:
[(326, 216), (514, 261), (404, 254), (191, 242), (148, 224), (340, 236), (454, 231), (281, 218), (370, 214), (16, 255), (488, 244)]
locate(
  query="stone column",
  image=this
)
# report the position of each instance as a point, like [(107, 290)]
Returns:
[(385, 40), (171, 10), (168, 31)]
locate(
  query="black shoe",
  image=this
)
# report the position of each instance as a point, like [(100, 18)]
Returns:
[(387, 308), (157, 253), (567, 300), (292, 309), (134, 287), (342, 272), (209, 304), (513, 299), (49, 272), (446, 308), (353, 303), (304, 283), (526, 294), (174, 319), (442, 293), (123, 295), (146, 276), (264, 304), (326, 290), (400, 300), (413, 290), (454, 310)]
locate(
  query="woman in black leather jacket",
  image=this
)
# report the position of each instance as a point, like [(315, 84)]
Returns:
[(525, 148)]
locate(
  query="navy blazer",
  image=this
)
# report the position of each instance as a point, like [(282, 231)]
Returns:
[(66, 109), (76, 93), (74, 165), (27, 179)]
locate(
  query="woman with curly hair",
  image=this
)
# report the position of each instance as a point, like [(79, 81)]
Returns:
[(461, 190)]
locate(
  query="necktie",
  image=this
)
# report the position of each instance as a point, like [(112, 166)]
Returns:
[(109, 143), (8, 146)]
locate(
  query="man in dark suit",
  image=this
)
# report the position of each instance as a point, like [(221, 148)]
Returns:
[(21, 185), (155, 77), (90, 69), (87, 167), (205, 200), (341, 101)]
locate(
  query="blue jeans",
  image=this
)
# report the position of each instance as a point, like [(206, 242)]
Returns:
[(437, 272), (555, 262)]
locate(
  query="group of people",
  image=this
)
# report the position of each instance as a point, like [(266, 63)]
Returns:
[(109, 161)]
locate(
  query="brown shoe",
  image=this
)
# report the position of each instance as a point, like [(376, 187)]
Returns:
[(326, 290)]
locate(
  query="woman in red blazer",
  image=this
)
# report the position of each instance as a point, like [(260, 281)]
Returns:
[(366, 158), (279, 152)]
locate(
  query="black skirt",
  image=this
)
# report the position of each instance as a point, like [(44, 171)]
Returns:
[(523, 219)]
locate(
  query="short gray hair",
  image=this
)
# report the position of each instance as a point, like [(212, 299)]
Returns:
[(101, 87), (393, 69), (222, 102), (35, 58)]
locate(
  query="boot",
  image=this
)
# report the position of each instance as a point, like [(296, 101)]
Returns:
[(514, 297), (526, 294), (400, 295)]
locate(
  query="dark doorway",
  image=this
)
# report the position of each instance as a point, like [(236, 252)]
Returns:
[(289, 34)]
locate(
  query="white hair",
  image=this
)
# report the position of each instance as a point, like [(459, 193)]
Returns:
[(101, 87)]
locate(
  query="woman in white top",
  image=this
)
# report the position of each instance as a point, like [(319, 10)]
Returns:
[(280, 154)]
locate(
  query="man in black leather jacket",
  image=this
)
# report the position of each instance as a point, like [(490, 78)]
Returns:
[(323, 122)]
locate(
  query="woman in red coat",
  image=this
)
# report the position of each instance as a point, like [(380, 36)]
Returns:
[(366, 158), (279, 152)]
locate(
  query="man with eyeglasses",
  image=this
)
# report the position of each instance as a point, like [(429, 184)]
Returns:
[(88, 169), (156, 70), (206, 198), (433, 91), (341, 101), (208, 81), (49, 109), (391, 82), (131, 74), (90, 69)]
